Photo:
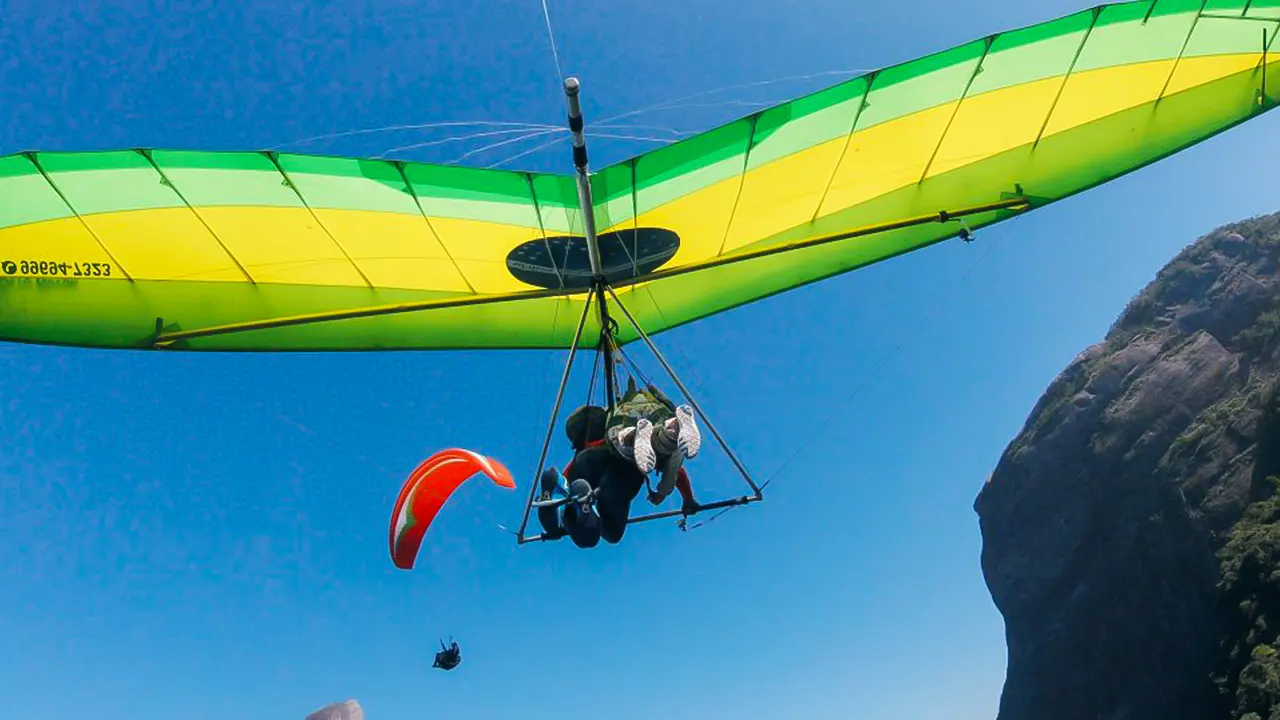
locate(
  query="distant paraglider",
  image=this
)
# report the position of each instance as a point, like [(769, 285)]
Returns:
[(449, 657)]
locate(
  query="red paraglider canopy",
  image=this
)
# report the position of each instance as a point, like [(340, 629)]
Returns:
[(426, 491)]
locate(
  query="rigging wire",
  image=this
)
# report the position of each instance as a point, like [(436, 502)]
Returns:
[(655, 128), (908, 337), (535, 149), (639, 138), (528, 136), (414, 126), (456, 138), (606, 123), (688, 363), (555, 53), (726, 88), (839, 408), (755, 104)]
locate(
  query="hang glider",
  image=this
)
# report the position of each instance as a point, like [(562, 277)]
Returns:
[(258, 251)]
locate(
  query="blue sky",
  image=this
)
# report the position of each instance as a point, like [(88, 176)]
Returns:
[(199, 535)]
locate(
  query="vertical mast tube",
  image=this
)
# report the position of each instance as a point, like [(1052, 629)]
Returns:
[(586, 206), (571, 88)]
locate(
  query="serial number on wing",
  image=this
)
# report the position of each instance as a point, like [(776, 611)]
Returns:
[(55, 268)]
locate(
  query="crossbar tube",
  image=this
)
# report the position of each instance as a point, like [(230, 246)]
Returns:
[(734, 502)]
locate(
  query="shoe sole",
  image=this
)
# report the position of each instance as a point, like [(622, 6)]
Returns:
[(689, 440), (645, 458)]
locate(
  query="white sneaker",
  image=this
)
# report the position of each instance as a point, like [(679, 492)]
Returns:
[(645, 457), (689, 440)]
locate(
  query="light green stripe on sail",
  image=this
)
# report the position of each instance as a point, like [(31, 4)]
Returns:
[(473, 194), (25, 196), (349, 184), (208, 179), (1123, 38), (1032, 54), (682, 168), (558, 204), (106, 182), (807, 122)]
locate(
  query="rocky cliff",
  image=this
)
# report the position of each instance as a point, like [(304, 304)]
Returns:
[(1108, 523)]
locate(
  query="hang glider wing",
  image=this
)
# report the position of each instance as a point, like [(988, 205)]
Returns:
[(259, 251), (111, 249), (1041, 113)]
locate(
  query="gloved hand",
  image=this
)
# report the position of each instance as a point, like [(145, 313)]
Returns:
[(656, 498)]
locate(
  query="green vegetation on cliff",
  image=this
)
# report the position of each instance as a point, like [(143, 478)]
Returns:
[(1248, 675)]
